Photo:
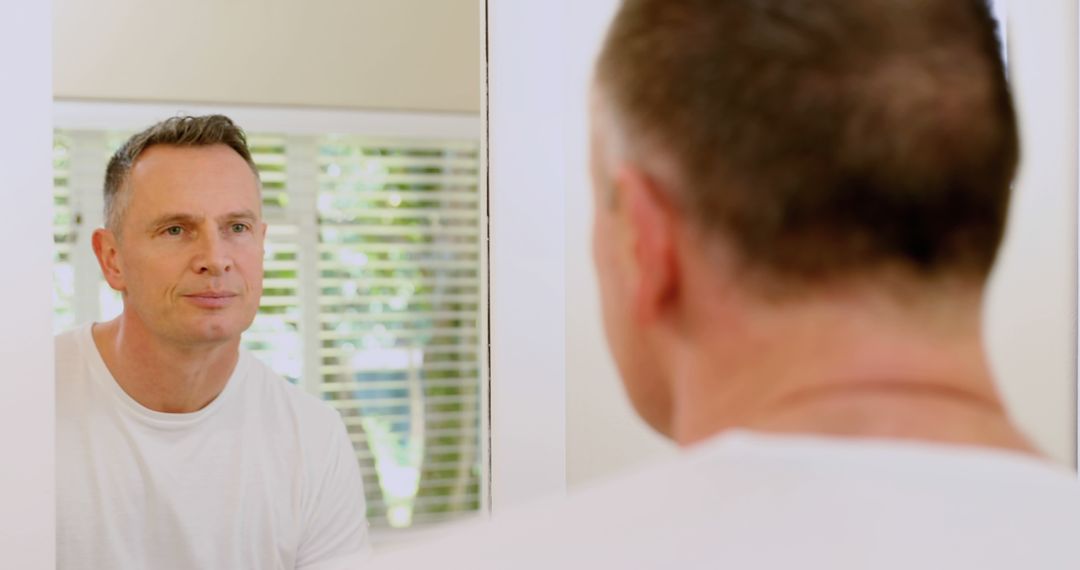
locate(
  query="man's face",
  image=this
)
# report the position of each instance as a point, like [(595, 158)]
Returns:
[(189, 257), (635, 357)]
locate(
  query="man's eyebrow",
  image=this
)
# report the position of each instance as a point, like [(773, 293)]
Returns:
[(240, 215), (167, 219)]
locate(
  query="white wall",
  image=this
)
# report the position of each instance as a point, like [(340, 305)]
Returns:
[(27, 503), (419, 55), (1031, 322)]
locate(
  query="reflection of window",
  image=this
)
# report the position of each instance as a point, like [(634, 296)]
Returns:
[(371, 297), (399, 298)]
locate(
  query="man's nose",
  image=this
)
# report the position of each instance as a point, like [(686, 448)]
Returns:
[(213, 257)]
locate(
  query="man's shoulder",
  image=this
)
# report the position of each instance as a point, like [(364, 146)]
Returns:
[(71, 351), (731, 501), (310, 412), (68, 341)]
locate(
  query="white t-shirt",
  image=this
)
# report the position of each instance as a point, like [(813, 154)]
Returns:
[(748, 501), (264, 477)]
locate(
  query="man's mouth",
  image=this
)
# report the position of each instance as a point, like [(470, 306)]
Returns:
[(211, 299)]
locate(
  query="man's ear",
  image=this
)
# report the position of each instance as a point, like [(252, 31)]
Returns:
[(108, 256), (647, 226)]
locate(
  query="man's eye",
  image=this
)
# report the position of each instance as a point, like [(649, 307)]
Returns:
[(174, 230), (239, 228)]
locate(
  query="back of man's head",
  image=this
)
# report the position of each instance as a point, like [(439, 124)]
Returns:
[(822, 139)]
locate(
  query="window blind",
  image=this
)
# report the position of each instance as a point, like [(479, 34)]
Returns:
[(275, 335), (63, 237), (399, 286)]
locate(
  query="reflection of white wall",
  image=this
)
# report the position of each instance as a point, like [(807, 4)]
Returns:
[(1031, 310), (603, 434), (406, 55), (1031, 322), (27, 528)]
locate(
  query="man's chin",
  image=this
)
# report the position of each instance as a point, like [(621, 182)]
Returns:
[(213, 339), (213, 333)]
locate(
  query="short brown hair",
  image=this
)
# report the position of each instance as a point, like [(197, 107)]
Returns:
[(178, 131), (824, 138)]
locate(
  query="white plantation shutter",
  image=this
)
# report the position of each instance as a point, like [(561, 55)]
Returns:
[(63, 237), (79, 159), (371, 301), (275, 335)]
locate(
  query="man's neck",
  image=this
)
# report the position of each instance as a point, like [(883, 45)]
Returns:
[(846, 375), (163, 376)]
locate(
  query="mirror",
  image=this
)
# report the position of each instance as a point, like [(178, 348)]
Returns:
[(363, 122)]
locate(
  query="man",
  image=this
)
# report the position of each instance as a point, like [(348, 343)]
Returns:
[(797, 205), (176, 449)]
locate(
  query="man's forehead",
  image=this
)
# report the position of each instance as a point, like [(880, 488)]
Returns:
[(176, 174), (165, 159)]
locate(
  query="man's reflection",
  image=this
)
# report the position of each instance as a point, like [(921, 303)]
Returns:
[(176, 449)]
